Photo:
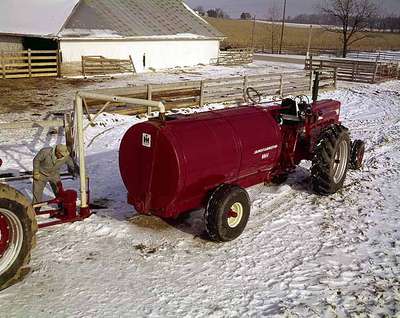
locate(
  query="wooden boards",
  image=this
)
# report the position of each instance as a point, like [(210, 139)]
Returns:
[(100, 65), (229, 90), (236, 56), (356, 70), (28, 64)]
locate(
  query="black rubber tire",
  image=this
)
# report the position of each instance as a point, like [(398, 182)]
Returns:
[(357, 154), (15, 203), (322, 169), (216, 213)]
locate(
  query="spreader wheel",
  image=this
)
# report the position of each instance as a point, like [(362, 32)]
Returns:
[(357, 154), (17, 235), (227, 213), (331, 160)]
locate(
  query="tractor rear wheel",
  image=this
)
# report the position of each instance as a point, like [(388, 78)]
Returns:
[(227, 213), (17, 235), (331, 160)]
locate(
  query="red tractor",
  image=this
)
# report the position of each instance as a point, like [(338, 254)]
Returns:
[(17, 234), (175, 164), (18, 227)]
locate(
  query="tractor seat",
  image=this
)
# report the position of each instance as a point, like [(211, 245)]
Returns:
[(289, 107), (289, 113)]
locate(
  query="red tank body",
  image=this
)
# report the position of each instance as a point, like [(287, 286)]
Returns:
[(170, 167)]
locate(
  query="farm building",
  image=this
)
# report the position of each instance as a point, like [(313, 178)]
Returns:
[(156, 34)]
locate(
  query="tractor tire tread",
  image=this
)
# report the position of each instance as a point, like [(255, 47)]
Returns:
[(324, 152), (216, 199), (11, 194)]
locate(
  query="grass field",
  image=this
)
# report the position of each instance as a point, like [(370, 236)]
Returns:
[(239, 33)]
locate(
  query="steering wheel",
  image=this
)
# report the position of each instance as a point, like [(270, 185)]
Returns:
[(253, 95)]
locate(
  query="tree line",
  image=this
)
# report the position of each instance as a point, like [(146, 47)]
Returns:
[(376, 22), (212, 13), (379, 23), (350, 19)]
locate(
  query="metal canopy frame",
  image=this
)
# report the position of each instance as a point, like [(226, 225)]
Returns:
[(80, 104)]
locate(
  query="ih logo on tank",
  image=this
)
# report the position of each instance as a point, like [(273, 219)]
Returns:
[(146, 140)]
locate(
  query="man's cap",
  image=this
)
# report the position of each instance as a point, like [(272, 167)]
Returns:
[(62, 150)]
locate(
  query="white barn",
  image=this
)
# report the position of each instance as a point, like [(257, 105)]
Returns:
[(155, 33)]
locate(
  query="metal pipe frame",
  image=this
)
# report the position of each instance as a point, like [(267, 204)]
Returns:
[(80, 129), (119, 99)]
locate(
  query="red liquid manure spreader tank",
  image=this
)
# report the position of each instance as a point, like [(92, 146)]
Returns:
[(179, 163)]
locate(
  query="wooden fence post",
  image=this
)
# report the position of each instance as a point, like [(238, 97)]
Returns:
[(311, 80), (398, 70), (281, 86), (58, 58), (309, 62), (335, 76), (102, 65), (201, 99), (3, 64), (375, 71), (83, 66), (30, 63), (133, 65), (149, 97), (245, 86)]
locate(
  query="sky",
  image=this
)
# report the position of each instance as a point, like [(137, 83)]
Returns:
[(260, 7), (20, 16)]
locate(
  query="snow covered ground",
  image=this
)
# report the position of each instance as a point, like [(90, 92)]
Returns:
[(301, 255)]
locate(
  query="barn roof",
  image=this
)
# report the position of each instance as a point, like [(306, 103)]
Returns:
[(136, 18), (103, 19)]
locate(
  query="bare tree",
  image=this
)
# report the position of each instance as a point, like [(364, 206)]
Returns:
[(245, 16), (200, 11), (274, 13), (217, 13), (353, 17)]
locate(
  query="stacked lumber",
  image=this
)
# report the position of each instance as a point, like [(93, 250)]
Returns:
[(236, 57)]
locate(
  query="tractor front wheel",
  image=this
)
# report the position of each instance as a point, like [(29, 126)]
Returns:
[(227, 213), (357, 154), (331, 160), (17, 235)]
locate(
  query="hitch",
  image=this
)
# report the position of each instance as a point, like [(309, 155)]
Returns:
[(65, 208)]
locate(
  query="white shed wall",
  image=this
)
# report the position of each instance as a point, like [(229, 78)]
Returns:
[(159, 54)]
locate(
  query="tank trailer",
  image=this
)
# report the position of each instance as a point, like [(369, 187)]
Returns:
[(175, 164)]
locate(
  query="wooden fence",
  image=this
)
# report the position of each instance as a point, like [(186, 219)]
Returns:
[(236, 56), (392, 56), (29, 63), (100, 65), (231, 90), (356, 70)]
